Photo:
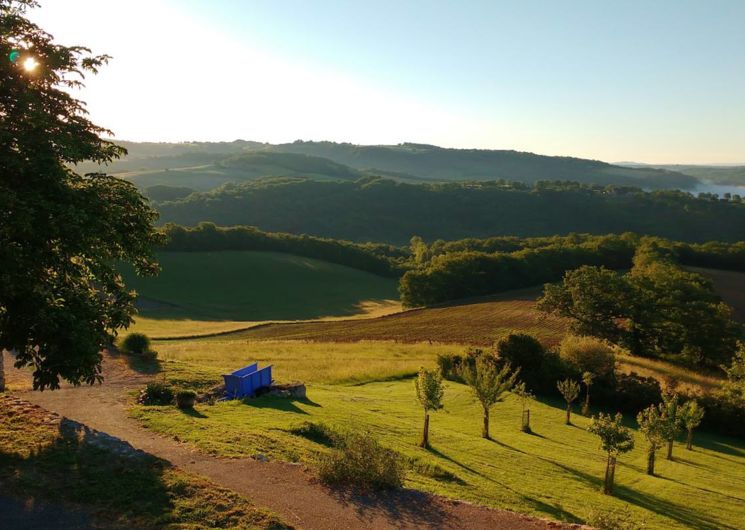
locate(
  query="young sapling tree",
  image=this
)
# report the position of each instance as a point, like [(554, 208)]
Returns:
[(569, 388), (524, 395), (670, 411), (691, 414), (615, 439), (489, 382), (429, 392), (652, 424), (587, 379)]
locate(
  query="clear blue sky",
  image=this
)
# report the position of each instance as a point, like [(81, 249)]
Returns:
[(651, 81)]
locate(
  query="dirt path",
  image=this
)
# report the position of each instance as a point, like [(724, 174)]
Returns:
[(287, 489)]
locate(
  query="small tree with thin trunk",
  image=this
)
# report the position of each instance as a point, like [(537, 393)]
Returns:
[(691, 414), (652, 424), (489, 382), (429, 392), (524, 395), (670, 411), (587, 379), (569, 388), (615, 439)]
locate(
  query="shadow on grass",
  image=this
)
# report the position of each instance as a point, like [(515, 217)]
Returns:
[(137, 364), (555, 511), (280, 403), (677, 512), (404, 508), (72, 470), (192, 413)]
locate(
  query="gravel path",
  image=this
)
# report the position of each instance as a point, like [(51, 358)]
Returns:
[(287, 489)]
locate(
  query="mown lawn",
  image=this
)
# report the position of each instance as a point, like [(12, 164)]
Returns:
[(555, 472), (249, 286), (43, 461)]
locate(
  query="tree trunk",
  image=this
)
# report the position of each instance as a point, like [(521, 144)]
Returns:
[(569, 415), (610, 470), (526, 421), (612, 475), (689, 440), (425, 432), (2, 371), (650, 460), (485, 430), (670, 449)]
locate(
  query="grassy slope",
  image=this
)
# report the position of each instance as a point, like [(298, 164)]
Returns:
[(555, 472), (249, 286), (38, 462), (479, 322)]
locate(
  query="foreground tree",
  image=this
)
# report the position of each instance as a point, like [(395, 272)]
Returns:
[(62, 235), (652, 424), (489, 382), (691, 415), (429, 392), (569, 389), (615, 439)]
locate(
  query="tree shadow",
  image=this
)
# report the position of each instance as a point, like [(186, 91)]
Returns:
[(79, 469), (679, 513), (137, 364), (279, 403)]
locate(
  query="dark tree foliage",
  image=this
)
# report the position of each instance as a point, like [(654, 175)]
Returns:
[(658, 309), (61, 234), (378, 209), (385, 260)]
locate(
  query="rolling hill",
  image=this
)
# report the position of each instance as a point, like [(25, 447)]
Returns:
[(250, 286), (182, 164)]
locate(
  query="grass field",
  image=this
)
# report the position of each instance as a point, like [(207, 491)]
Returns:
[(40, 461), (250, 286), (556, 472)]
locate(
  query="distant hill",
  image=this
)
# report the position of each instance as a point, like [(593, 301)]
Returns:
[(437, 163), (377, 209), (723, 175), (204, 165)]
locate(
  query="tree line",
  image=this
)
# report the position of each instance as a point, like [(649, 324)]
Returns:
[(379, 209)]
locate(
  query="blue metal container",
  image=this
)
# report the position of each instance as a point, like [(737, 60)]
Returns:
[(246, 381)]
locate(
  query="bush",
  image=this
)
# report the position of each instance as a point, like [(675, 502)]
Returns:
[(135, 344), (185, 399), (723, 415), (586, 354), (360, 461), (451, 364), (521, 351), (617, 519), (157, 394)]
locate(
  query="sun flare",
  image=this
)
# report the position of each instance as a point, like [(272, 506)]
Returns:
[(30, 64)]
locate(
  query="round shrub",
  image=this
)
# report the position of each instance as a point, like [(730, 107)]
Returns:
[(359, 461), (185, 399), (521, 351), (586, 354), (157, 394), (135, 344)]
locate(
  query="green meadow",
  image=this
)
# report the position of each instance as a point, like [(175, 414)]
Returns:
[(249, 286), (555, 472)]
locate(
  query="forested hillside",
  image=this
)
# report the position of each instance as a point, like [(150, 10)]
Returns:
[(376, 209), (149, 164)]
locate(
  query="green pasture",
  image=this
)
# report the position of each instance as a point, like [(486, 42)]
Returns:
[(249, 286), (555, 472)]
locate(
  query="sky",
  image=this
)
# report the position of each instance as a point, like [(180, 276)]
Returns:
[(658, 81)]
